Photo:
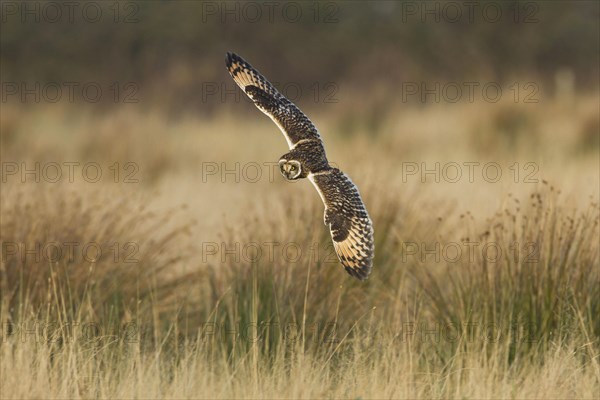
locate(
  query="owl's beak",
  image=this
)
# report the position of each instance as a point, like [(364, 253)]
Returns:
[(284, 166)]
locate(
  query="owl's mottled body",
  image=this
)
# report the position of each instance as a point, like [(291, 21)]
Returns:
[(311, 153), (345, 214)]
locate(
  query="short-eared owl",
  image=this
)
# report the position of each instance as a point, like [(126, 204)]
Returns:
[(345, 214)]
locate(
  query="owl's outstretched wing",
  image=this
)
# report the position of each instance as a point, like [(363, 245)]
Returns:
[(293, 123), (349, 223)]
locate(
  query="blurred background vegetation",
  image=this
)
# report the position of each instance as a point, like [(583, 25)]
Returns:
[(171, 48)]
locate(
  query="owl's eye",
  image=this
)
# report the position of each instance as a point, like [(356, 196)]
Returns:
[(293, 168)]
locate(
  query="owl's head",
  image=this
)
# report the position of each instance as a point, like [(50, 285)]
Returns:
[(291, 169)]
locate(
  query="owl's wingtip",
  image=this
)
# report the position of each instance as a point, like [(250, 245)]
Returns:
[(362, 273), (231, 57)]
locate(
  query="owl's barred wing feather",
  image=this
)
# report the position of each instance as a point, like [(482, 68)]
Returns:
[(291, 121), (348, 220)]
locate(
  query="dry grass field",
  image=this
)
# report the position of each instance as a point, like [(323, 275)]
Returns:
[(191, 269)]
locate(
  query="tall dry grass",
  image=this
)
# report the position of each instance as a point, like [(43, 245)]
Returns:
[(472, 329), (173, 320)]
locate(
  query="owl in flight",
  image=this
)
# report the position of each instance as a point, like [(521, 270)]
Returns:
[(349, 223)]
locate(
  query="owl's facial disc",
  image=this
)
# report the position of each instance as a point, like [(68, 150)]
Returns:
[(291, 169)]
